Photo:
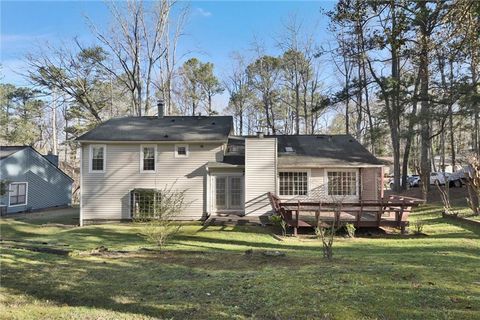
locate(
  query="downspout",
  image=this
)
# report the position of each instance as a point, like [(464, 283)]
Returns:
[(81, 184), (209, 194)]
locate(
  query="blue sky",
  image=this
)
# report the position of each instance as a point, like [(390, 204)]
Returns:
[(215, 28)]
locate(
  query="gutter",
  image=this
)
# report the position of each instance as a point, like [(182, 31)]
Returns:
[(149, 141)]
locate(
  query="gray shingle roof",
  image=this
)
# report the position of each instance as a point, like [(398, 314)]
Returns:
[(169, 128), (318, 151), (7, 151), (323, 150)]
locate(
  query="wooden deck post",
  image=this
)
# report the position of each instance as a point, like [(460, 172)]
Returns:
[(400, 217), (296, 218), (380, 213), (359, 214)]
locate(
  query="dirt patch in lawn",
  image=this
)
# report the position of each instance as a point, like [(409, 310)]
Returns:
[(241, 260)]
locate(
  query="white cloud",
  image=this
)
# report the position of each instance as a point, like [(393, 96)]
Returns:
[(202, 12), (13, 38)]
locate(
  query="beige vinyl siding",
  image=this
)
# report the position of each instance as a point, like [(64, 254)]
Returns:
[(317, 184), (260, 174), (371, 184), (106, 195)]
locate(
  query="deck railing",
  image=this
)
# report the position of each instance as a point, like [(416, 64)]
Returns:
[(392, 212)]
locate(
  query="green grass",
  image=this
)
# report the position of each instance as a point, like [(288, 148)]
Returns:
[(204, 274), (468, 213)]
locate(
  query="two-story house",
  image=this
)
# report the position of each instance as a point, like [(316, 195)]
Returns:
[(220, 172)]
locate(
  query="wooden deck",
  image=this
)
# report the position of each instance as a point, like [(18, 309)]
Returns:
[(388, 212)]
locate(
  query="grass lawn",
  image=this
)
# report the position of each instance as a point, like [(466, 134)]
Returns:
[(204, 274)]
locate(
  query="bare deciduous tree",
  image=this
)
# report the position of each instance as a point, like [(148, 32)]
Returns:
[(137, 39)]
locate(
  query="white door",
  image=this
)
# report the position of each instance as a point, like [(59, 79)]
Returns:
[(228, 192)]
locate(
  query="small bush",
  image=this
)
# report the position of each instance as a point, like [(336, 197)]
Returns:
[(278, 221), (350, 228), (326, 235), (418, 227), (159, 213)]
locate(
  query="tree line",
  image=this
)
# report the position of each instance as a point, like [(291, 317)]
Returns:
[(406, 80)]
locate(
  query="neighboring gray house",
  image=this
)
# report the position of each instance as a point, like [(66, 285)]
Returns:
[(33, 181), (222, 173)]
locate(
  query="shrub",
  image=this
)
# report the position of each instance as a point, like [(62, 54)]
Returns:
[(418, 227), (350, 228), (159, 210), (278, 221), (3, 187), (326, 235)]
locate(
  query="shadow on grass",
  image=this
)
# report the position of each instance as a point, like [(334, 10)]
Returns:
[(383, 275), (176, 284)]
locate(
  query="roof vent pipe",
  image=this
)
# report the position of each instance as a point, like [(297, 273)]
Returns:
[(260, 134), (161, 108)]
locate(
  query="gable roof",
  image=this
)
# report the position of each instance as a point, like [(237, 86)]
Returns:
[(323, 150), (7, 151), (315, 151), (168, 128)]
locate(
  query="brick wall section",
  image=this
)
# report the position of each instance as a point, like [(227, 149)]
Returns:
[(370, 181)]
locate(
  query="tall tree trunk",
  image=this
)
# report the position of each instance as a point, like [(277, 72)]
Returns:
[(347, 91), (425, 144), (475, 106), (410, 134), (54, 123), (297, 108)]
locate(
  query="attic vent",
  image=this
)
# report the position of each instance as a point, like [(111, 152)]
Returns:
[(213, 123), (289, 149), (350, 140), (320, 137), (173, 120), (165, 136)]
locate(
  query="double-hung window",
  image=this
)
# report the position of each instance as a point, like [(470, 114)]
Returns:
[(18, 194), (293, 183), (97, 158), (148, 157), (342, 183)]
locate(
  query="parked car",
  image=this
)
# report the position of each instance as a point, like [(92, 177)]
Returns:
[(438, 177), (412, 181), (454, 179)]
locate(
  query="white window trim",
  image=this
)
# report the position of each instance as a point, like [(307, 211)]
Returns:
[(90, 158), (308, 171), (186, 149), (26, 194), (154, 159), (357, 182)]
